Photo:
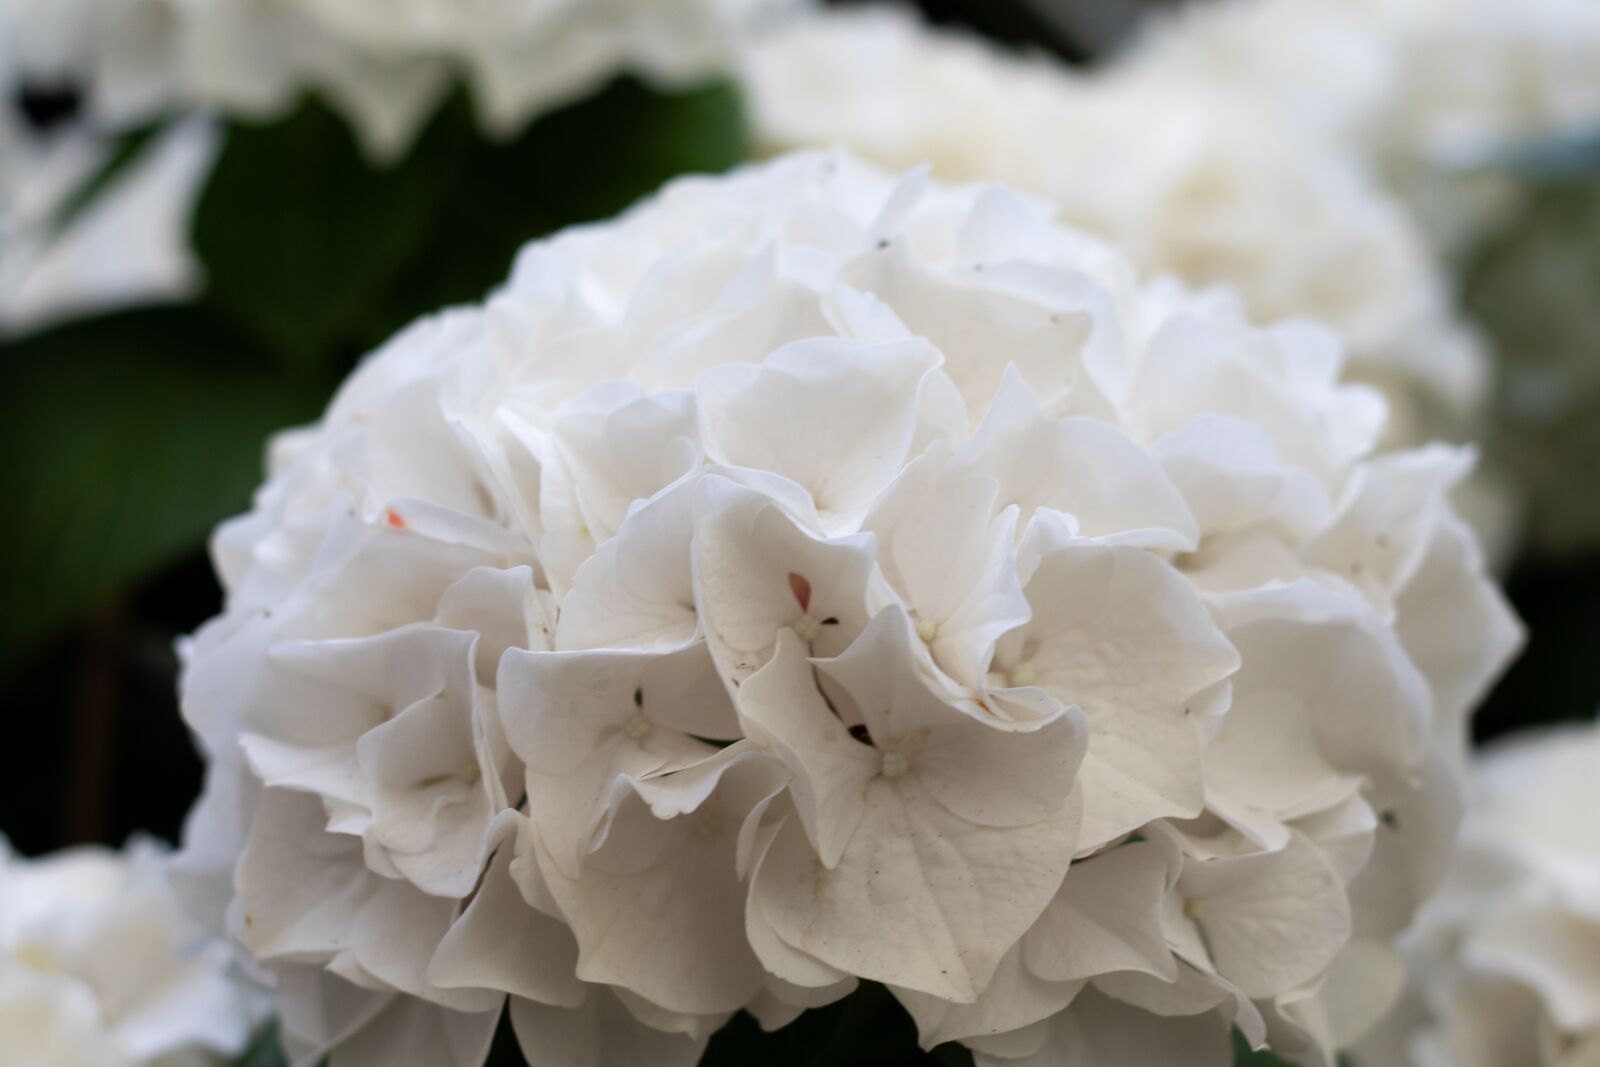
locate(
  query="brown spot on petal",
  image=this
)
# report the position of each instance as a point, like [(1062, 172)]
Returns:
[(801, 590)]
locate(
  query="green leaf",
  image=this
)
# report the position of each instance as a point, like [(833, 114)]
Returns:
[(1532, 286), (300, 232), (265, 1050), (125, 440)]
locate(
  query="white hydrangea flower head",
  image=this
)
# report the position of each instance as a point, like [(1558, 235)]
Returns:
[(815, 576), (100, 968), (1503, 961), (385, 64), (1175, 167)]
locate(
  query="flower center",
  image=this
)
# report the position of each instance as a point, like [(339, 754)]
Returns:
[(1024, 674), (637, 727), (807, 626), (927, 629), (894, 765)]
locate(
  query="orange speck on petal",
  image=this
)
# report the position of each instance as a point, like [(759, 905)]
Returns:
[(801, 590), (393, 519)]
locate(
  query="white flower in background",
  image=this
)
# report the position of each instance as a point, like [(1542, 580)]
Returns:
[(385, 64), (99, 967), (1505, 962), (129, 244), (812, 576), (1172, 166), (1428, 92)]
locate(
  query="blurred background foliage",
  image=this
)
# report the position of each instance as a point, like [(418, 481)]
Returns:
[(126, 438)]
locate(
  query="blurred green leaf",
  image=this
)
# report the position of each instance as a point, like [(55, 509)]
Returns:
[(300, 232), (125, 439), (265, 1050), (1535, 287), (323, 253)]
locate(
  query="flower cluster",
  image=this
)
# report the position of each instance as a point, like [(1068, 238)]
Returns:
[(1503, 960), (385, 64), (98, 966), (813, 577), (1178, 169)]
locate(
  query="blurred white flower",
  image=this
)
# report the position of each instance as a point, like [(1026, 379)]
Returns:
[(129, 244), (99, 967), (1503, 963), (1429, 93), (1171, 164), (812, 576), (385, 64)]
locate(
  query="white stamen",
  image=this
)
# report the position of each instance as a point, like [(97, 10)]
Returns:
[(927, 629), (637, 727), (894, 765)]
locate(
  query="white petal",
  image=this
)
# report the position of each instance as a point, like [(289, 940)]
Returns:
[(1123, 637), (577, 720), (1270, 920), (1230, 474), (1097, 1031), (982, 771), (753, 568), (832, 415), (413, 1033), (783, 709), (1455, 623), (637, 591), (636, 927), (501, 942), (599, 1033), (1080, 466), (1107, 917), (1014, 999), (948, 552), (919, 899)]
